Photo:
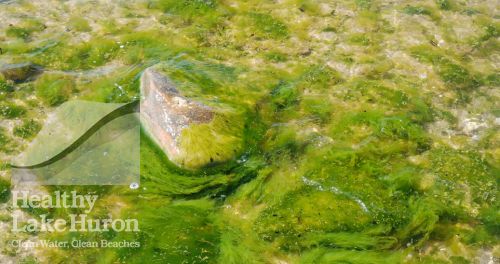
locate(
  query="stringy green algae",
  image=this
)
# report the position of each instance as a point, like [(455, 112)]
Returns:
[(215, 142), (338, 161)]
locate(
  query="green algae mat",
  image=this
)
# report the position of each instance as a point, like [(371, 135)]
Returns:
[(363, 131)]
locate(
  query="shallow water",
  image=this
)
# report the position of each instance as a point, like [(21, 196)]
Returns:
[(370, 127)]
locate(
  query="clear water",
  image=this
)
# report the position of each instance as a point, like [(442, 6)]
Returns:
[(371, 127)]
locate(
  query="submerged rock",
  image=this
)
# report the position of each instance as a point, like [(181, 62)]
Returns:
[(192, 134), (20, 72)]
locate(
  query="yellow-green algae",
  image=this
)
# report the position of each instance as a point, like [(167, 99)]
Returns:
[(215, 142), (339, 160), (54, 89)]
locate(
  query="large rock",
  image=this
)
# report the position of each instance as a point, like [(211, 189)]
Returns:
[(192, 134), (20, 72)]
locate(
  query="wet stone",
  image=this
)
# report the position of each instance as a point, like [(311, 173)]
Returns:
[(20, 72)]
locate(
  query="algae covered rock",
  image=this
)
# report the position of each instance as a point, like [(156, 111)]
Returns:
[(192, 133), (20, 72)]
